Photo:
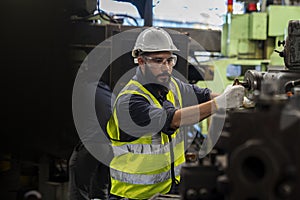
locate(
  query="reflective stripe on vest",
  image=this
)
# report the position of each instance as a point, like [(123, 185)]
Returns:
[(143, 179), (146, 148)]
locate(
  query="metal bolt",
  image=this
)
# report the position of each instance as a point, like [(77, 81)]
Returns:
[(203, 191), (285, 189), (191, 194)]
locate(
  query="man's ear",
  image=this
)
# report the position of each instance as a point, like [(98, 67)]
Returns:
[(141, 63)]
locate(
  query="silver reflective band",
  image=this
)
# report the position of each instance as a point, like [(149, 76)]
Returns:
[(147, 148), (143, 179)]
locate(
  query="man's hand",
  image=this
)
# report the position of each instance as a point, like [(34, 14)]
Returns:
[(232, 97)]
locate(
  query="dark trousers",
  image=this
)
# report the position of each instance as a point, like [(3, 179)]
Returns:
[(89, 178)]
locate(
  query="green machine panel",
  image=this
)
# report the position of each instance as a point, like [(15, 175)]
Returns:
[(258, 26), (237, 33), (279, 17)]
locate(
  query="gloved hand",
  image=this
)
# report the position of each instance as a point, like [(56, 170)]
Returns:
[(232, 97)]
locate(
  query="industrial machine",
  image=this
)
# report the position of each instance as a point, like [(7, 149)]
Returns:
[(44, 44), (256, 156), (249, 42)]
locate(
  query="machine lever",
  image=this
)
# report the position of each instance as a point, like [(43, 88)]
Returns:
[(281, 54)]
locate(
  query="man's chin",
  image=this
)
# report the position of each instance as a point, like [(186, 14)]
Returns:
[(163, 80)]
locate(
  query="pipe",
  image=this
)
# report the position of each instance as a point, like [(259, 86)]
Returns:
[(291, 84)]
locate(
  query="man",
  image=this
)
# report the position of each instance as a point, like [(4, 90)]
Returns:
[(89, 178), (147, 142)]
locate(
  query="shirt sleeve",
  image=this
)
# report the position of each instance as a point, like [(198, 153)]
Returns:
[(203, 94), (103, 99), (137, 117), (170, 109), (192, 94)]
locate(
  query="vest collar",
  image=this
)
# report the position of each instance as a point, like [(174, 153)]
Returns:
[(159, 91)]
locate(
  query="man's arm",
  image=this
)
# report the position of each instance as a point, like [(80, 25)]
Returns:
[(193, 114), (231, 98)]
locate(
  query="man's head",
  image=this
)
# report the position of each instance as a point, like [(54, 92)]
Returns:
[(153, 52), (157, 67)]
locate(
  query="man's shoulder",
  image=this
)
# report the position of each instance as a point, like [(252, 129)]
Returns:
[(181, 81), (181, 84)]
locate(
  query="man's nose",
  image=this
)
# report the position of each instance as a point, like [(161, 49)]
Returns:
[(165, 66)]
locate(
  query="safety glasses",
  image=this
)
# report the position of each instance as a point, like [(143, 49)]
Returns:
[(171, 61)]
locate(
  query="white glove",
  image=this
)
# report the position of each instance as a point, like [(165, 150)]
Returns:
[(232, 97)]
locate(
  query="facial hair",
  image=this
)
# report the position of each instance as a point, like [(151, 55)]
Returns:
[(150, 78)]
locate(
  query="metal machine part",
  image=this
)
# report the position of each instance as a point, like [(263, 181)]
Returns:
[(259, 146), (291, 50), (291, 84), (193, 188), (278, 78), (253, 81), (260, 149), (262, 152)]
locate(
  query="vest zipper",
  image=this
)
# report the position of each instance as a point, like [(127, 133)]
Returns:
[(174, 180)]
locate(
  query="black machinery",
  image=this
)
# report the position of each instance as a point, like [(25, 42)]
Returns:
[(256, 156)]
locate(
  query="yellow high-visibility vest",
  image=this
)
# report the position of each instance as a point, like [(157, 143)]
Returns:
[(142, 168)]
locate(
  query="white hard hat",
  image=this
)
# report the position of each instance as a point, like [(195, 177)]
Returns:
[(153, 39)]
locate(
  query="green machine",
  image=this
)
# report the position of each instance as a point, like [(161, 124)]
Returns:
[(250, 41)]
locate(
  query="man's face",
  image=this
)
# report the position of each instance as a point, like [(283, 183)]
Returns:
[(157, 67)]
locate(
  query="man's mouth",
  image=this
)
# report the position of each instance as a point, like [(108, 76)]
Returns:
[(163, 77)]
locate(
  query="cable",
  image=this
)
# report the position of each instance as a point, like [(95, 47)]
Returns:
[(127, 16), (104, 15), (291, 84)]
